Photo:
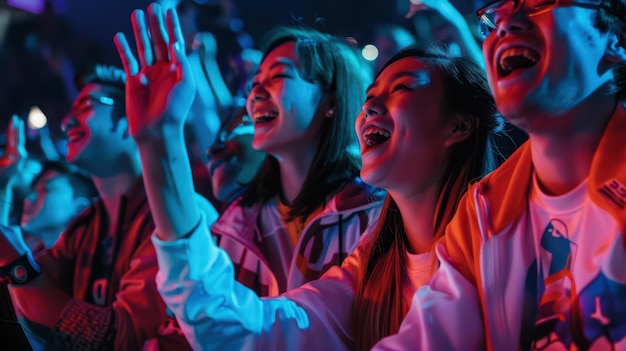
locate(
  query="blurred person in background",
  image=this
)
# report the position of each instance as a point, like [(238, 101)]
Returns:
[(60, 192), (389, 39), (233, 162), (439, 21), (94, 288), (57, 193)]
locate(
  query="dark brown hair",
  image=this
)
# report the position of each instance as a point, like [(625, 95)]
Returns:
[(612, 17), (109, 76)]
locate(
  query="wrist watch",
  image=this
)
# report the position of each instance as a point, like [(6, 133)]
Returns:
[(21, 271)]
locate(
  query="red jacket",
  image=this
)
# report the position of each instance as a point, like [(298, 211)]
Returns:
[(133, 309)]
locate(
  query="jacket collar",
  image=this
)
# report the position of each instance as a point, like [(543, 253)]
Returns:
[(354, 196), (507, 188)]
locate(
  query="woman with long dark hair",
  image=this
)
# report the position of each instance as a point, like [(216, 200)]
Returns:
[(444, 125)]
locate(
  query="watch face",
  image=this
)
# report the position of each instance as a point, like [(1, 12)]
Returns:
[(19, 273)]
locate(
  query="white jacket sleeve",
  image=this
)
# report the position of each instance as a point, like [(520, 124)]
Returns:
[(445, 314), (217, 313)]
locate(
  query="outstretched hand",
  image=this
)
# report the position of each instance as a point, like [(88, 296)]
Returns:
[(14, 155), (160, 87)]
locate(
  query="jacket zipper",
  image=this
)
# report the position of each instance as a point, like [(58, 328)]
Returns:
[(490, 266)]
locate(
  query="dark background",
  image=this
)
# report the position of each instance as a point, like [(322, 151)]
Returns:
[(41, 51)]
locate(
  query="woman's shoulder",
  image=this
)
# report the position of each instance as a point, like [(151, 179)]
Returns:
[(237, 212), (357, 193)]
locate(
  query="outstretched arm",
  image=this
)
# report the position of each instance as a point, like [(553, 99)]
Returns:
[(159, 93), (206, 46), (196, 280), (204, 119)]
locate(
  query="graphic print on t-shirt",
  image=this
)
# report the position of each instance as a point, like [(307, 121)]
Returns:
[(566, 316)]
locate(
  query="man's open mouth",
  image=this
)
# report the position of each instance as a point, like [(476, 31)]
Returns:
[(516, 58)]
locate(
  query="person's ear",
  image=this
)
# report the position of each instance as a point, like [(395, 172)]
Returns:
[(80, 204), (462, 127), (329, 106), (616, 48)]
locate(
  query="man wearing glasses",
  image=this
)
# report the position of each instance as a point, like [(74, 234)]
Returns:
[(535, 258), (95, 289)]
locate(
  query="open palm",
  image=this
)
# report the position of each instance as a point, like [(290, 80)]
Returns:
[(160, 87)]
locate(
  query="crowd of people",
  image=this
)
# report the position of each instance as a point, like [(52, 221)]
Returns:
[(333, 204)]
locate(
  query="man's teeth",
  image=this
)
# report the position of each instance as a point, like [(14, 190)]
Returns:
[(518, 57)]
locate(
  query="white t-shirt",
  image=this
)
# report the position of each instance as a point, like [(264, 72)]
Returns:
[(575, 289), (419, 269)]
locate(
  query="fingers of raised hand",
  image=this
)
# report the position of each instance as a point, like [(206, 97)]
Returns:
[(177, 43), (158, 32), (173, 27), (129, 62), (15, 150), (20, 139), (206, 42), (15, 138), (11, 145), (142, 38)]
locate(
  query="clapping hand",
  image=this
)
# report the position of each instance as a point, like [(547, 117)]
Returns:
[(160, 87)]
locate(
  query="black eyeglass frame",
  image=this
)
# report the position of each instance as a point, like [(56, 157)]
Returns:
[(487, 24)]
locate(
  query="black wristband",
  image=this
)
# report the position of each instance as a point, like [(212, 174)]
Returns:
[(21, 271)]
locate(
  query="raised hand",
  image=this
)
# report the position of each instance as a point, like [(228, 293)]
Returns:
[(160, 87), (206, 45), (203, 116), (14, 155), (442, 7), (460, 30)]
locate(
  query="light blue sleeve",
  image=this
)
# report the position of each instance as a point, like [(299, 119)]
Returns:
[(217, 313), (207, 208)]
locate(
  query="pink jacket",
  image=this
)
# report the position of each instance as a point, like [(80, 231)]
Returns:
[(254, 237)]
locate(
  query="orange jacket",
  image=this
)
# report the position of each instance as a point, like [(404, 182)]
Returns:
[(474, 301)]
